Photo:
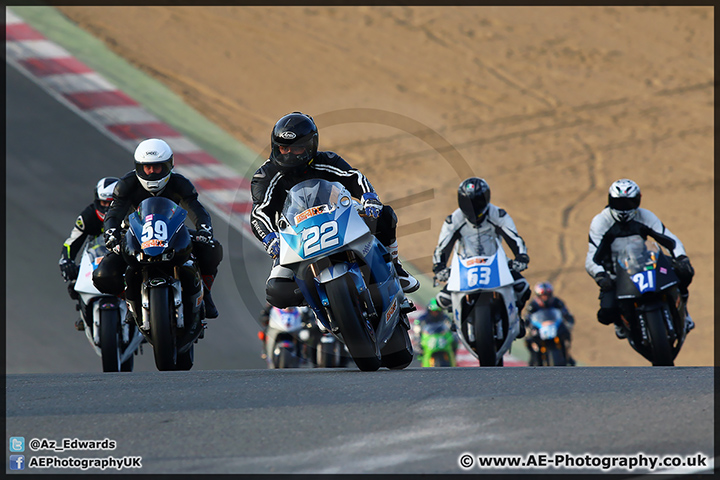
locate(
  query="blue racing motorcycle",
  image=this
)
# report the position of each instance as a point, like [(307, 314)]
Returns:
[(345, 275)]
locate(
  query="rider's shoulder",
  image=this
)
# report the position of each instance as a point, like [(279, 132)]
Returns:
[(127, 183), (265, 172), (456, 218), (645, 216), (330, 158)]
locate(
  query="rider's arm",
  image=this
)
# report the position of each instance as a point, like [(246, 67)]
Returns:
[(266, 198), (662, 235), (122, 203), (85, 224), (449, 234), (600, 224), (505, 227), (189, 201)]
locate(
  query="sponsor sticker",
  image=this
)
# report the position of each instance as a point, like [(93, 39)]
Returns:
[(153, 242), (310, 212), (475, 261), (391, 310)]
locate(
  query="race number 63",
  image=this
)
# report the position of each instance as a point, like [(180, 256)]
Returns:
[(478, 276), (318, 238)]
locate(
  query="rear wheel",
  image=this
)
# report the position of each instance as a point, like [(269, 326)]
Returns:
[(109, 329), (326, 355), (354, 329), (440, 359), (163, 340), (285, 359), (661, 350), (484, 336)]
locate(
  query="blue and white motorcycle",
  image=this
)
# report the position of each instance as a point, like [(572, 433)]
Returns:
[(104, 317), (483, 300), (345, 275)]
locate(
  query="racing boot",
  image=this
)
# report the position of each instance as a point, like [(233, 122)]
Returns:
[(620, 331), (210, 309), (408, 283)]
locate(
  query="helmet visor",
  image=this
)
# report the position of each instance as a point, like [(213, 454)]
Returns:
[(474, 208), (154, 171), (624, 204)]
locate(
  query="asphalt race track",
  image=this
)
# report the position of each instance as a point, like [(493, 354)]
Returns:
[(230, 415)]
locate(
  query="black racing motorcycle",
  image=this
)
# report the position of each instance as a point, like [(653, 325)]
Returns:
[(650, 303), (159, 244)]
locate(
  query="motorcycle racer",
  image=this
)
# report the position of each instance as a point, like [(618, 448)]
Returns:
[(621, 219), (462, 229), (153, 176), (88, 224), (293, 159), (545, 298)]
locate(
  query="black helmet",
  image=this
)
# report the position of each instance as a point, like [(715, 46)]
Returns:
[(473, 199), (294, 130), (104, 193)]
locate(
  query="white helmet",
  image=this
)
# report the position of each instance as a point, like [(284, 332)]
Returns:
[(153, 152), (104, 191), (624, 199)]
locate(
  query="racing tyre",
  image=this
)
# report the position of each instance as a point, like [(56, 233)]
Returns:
[(109, 323), (163, 340), (356, 331)]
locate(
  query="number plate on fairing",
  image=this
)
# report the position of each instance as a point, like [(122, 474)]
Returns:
[(645, 281)]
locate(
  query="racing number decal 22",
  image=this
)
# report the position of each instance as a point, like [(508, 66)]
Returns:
[(318, 238)]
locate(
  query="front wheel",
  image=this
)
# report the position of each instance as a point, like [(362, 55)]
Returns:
[(397, 352), (355, 330), (163, 340), (186, 360), (556, 358), (109, 329), (659, 342), (484, 335)]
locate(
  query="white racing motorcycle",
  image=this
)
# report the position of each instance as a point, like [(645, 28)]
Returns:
[(283, 350), (113, 338), (483, 299)]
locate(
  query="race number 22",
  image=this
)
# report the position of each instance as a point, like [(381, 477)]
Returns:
[(318, 238)]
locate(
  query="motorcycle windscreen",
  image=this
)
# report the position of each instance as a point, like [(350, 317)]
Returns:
[(320, 219), (642, 268), (154, 223), (474, 273)]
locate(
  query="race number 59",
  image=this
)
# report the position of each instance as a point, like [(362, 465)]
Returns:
[(157, 229)]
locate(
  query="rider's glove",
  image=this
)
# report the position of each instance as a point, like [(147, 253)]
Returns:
[(204, 234), (442, 273), (68, 269), (604, 281), (371, 204), (683, 267), (272, 244), (112, 238), (520, 263)]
